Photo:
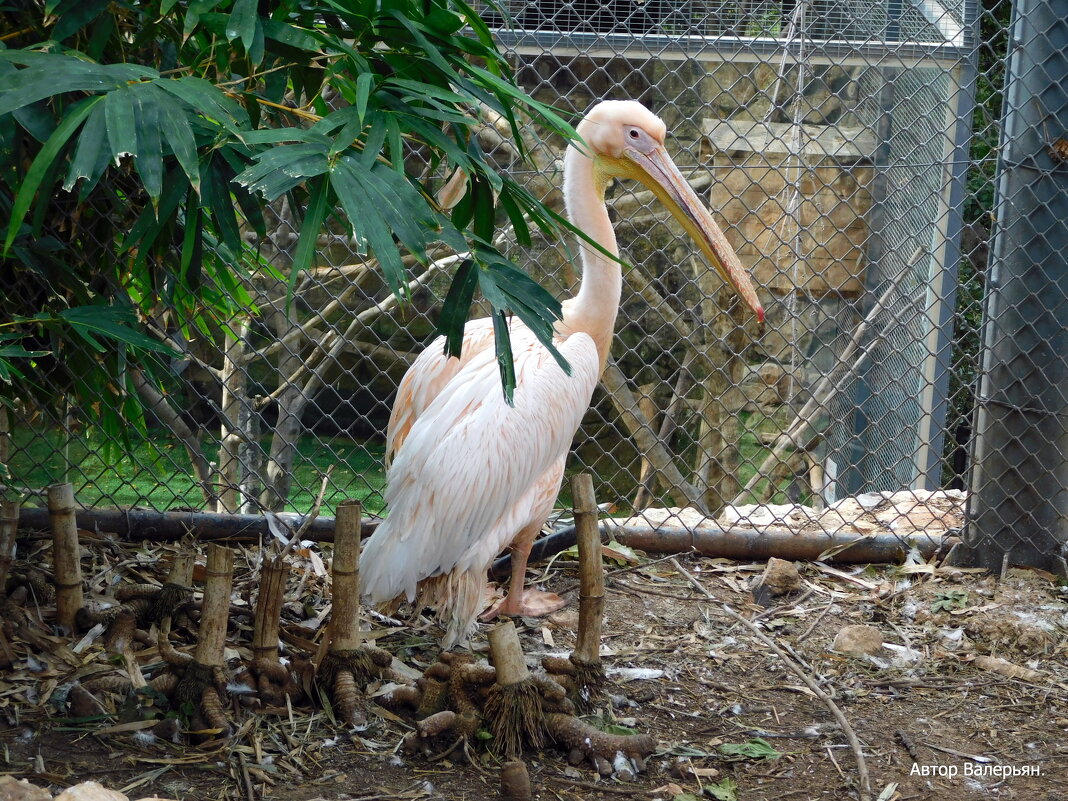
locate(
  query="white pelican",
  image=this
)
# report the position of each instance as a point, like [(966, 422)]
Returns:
[(471, 475)]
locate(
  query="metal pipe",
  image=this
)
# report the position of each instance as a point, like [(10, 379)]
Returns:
[(710, 539), (148, 524), (1018, 507)]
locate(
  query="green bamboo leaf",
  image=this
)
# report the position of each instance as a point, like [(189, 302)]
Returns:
[(43, 163), (242, 22), (291, 35), (151, 222), (92, 155), (395, 153), (516, 217), (192, 242), (274, 136), (75, 16), (364, 208), (216, 197), (149, 144), (502, 342), (309, 231), (274, 183), (756, 748), (111, 322), (209, 101), (182, 142), (373, 143), (363, 93), (457, 306), (498, 287), (54, 74), (122, 130), (349, 133)]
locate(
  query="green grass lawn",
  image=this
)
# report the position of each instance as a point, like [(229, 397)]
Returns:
[(155, 472)]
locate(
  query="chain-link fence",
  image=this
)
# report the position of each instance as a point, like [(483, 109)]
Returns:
[(848, 150)]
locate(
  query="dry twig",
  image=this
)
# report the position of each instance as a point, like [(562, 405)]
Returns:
[(851, 736)]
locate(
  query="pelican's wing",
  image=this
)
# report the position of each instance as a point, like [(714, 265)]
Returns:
[(427, 376), (460, 485)]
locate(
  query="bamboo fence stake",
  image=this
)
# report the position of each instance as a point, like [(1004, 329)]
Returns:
[(272, 676), (9, 524), (589, 673), (66, 554)]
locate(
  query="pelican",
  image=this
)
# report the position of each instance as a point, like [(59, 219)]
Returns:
[(470, 475)]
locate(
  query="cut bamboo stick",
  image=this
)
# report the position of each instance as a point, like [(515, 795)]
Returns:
[(507, 654), (591, 571), (9, 524), (66, 554), (513, 709), (215, 613), (345, 573), (272, 585), (181, 572)]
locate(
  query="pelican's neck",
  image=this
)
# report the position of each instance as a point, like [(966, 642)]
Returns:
[(593, 310)]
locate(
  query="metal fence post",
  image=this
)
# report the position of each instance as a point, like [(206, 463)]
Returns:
[(1018, 508)]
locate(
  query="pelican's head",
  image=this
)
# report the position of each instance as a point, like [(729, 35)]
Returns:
[(626, 140)]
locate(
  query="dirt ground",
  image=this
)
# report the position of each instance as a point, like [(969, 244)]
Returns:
[(968, 699)]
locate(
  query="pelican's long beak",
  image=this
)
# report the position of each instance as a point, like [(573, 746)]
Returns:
[(658, 172)]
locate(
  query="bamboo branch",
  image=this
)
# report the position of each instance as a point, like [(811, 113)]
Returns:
[(828, 386), (651, 448), (647, 479), (167, 415), (334, 343), (236, 416)]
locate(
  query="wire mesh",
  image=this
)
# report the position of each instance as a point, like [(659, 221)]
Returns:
[(831, 140)]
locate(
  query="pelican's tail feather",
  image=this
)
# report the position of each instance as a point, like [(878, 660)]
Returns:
[(458, 596)]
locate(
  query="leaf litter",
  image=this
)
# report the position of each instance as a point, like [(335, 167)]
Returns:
[(985, 678)]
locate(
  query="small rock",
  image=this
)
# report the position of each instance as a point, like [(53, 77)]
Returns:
[(780, 578), (90, 791), (858, 641), (21, 790)]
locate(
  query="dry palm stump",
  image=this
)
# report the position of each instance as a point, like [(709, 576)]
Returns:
[(349, 664), (458, 697)]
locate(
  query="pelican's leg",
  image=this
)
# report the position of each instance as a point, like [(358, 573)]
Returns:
[(527, 602)]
